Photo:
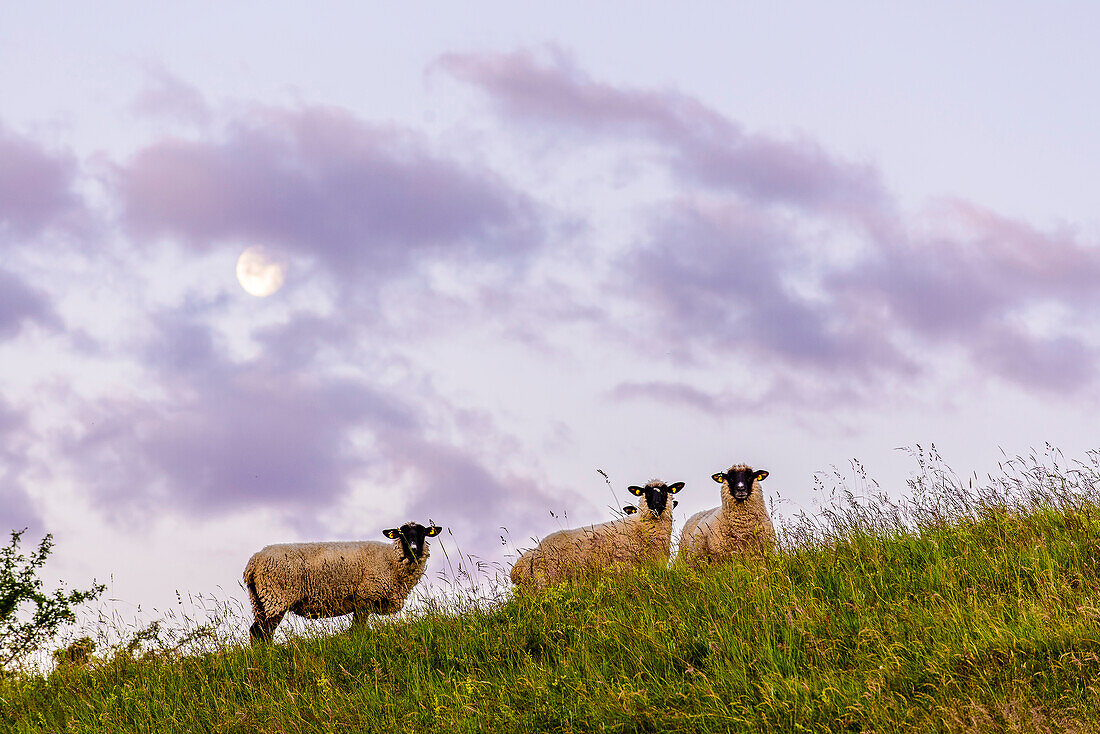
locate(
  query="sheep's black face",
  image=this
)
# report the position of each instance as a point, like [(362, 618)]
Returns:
[(656, 495), (413, 537), (740, 481)]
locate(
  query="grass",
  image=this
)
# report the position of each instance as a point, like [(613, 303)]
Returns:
[(963, 609)]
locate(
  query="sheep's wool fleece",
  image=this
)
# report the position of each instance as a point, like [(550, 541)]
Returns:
[(571, 553), (331, 579), (729, 529)]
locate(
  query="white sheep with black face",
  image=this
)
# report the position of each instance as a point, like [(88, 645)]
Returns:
[(645, 535), (331, 579), (739, 525)]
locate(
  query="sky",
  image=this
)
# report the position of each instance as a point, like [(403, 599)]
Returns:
[(521, 246)]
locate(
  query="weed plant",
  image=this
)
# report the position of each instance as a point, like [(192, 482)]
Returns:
[(969, 606)]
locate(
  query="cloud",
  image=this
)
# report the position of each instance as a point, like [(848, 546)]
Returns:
[(706, 147), (729, 282), (16, 509), (36, 186), (785, 392), (279, 433), (461, 492), (226, 435), (966, 282), (734, 268), (719, 280), (1057, 364), (300, 342), (366, 202), (167, 96), (21, 304), (972, 268), (671, 394)]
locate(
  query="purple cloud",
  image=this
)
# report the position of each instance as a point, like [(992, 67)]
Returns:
[(460, 491), (1052, 364), (363, 200), (717, 281), (783, 393), (21, 304), (169, 97), (16, 509), (227, 435), (298, 343), (35, 186), (275, 432), (973, 273), (721, 278), (964, 285), (706, 147), (672, 394)]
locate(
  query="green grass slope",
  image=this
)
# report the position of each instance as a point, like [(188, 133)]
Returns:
[(984, 620)]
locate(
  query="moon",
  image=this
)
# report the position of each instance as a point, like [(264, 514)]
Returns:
[(260, 272)]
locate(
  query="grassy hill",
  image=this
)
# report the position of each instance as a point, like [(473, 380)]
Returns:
[(966, 610)]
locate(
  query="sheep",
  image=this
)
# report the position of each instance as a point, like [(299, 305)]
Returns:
[(739, 524), (645, 535), (330, 579)]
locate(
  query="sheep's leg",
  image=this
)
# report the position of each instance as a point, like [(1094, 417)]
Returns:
[(359, 618), (263, 630)]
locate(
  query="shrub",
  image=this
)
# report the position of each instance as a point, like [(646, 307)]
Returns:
[(29, 617)]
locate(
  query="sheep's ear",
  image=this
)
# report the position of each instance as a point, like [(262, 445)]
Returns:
[(719, 477), (392, 533), (674, 488), (433, 531), (635, 490), (760, 476), (674, 503), (630, 509)]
